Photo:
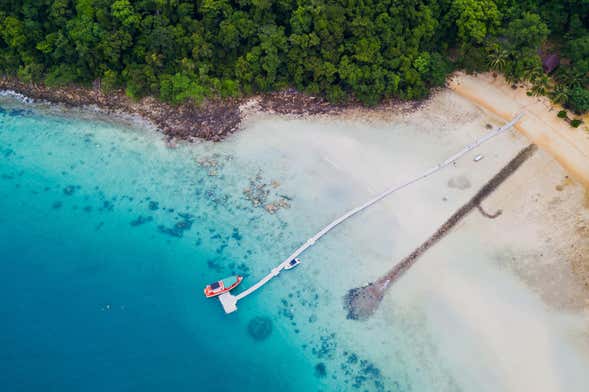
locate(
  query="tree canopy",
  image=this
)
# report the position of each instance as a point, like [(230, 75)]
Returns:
[(371, 49)]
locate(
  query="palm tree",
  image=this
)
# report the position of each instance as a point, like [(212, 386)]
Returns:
[(531, 74), (570, 78), (498, 59), (560, 94), (540, 85)]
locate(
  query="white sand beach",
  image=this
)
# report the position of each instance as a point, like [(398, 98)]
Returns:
[(498, 304), (502, 300), (569, 146)]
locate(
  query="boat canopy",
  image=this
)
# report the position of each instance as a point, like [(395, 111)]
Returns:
[(215, 285)]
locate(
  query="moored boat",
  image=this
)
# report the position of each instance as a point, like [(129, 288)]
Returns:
[(293, 263), (222, 286)]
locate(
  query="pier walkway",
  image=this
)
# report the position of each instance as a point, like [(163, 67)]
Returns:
[(229, 301)]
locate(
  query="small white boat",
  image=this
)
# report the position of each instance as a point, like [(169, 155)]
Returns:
[(478, 158), (293, 263)]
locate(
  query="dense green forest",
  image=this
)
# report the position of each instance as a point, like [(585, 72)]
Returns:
[(365, 49)]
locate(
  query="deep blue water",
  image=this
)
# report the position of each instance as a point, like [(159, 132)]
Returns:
[(107, 240)]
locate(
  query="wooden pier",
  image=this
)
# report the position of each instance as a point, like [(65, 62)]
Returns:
[(229, 301)]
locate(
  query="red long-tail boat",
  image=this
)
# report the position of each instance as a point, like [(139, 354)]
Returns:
[(222, 286)]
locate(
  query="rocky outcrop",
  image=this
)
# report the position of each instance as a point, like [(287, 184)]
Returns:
[(210, 120)]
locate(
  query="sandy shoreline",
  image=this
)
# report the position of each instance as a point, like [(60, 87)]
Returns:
[(549, 188), (569, 146), (211, 120), (508, 288), (500, 285)]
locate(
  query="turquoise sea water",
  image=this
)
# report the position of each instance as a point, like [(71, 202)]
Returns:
[(108, 238)]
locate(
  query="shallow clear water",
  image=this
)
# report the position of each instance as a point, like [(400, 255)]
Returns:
[(108, 238)]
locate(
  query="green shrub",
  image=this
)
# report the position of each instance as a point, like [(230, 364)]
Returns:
[(576, 122), (140, 80), (562, 114), (579, 100), (30, 72), (61, 75), (439, 70), (473, 59), (109, 81), (229, 88), (578, 51), (180, 87), (335, 94)]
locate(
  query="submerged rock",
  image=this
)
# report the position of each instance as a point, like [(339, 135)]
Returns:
[(19, 112), (327, 346), (240, 269), (236, 235), (215, 265), (352, 358), (320, 370), (179, 227), (69, 190), (260, 328), (7, 152), (259, 194), (140, 220)]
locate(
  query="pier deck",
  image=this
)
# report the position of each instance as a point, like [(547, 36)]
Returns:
[(229, 301)]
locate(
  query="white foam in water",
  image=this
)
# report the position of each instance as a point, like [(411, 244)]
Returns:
[(18, 96)]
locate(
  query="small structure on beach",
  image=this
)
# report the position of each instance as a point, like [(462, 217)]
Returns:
[(550, 62)]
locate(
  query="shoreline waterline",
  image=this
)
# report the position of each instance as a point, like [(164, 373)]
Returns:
[(211, 120), (323, 166)]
